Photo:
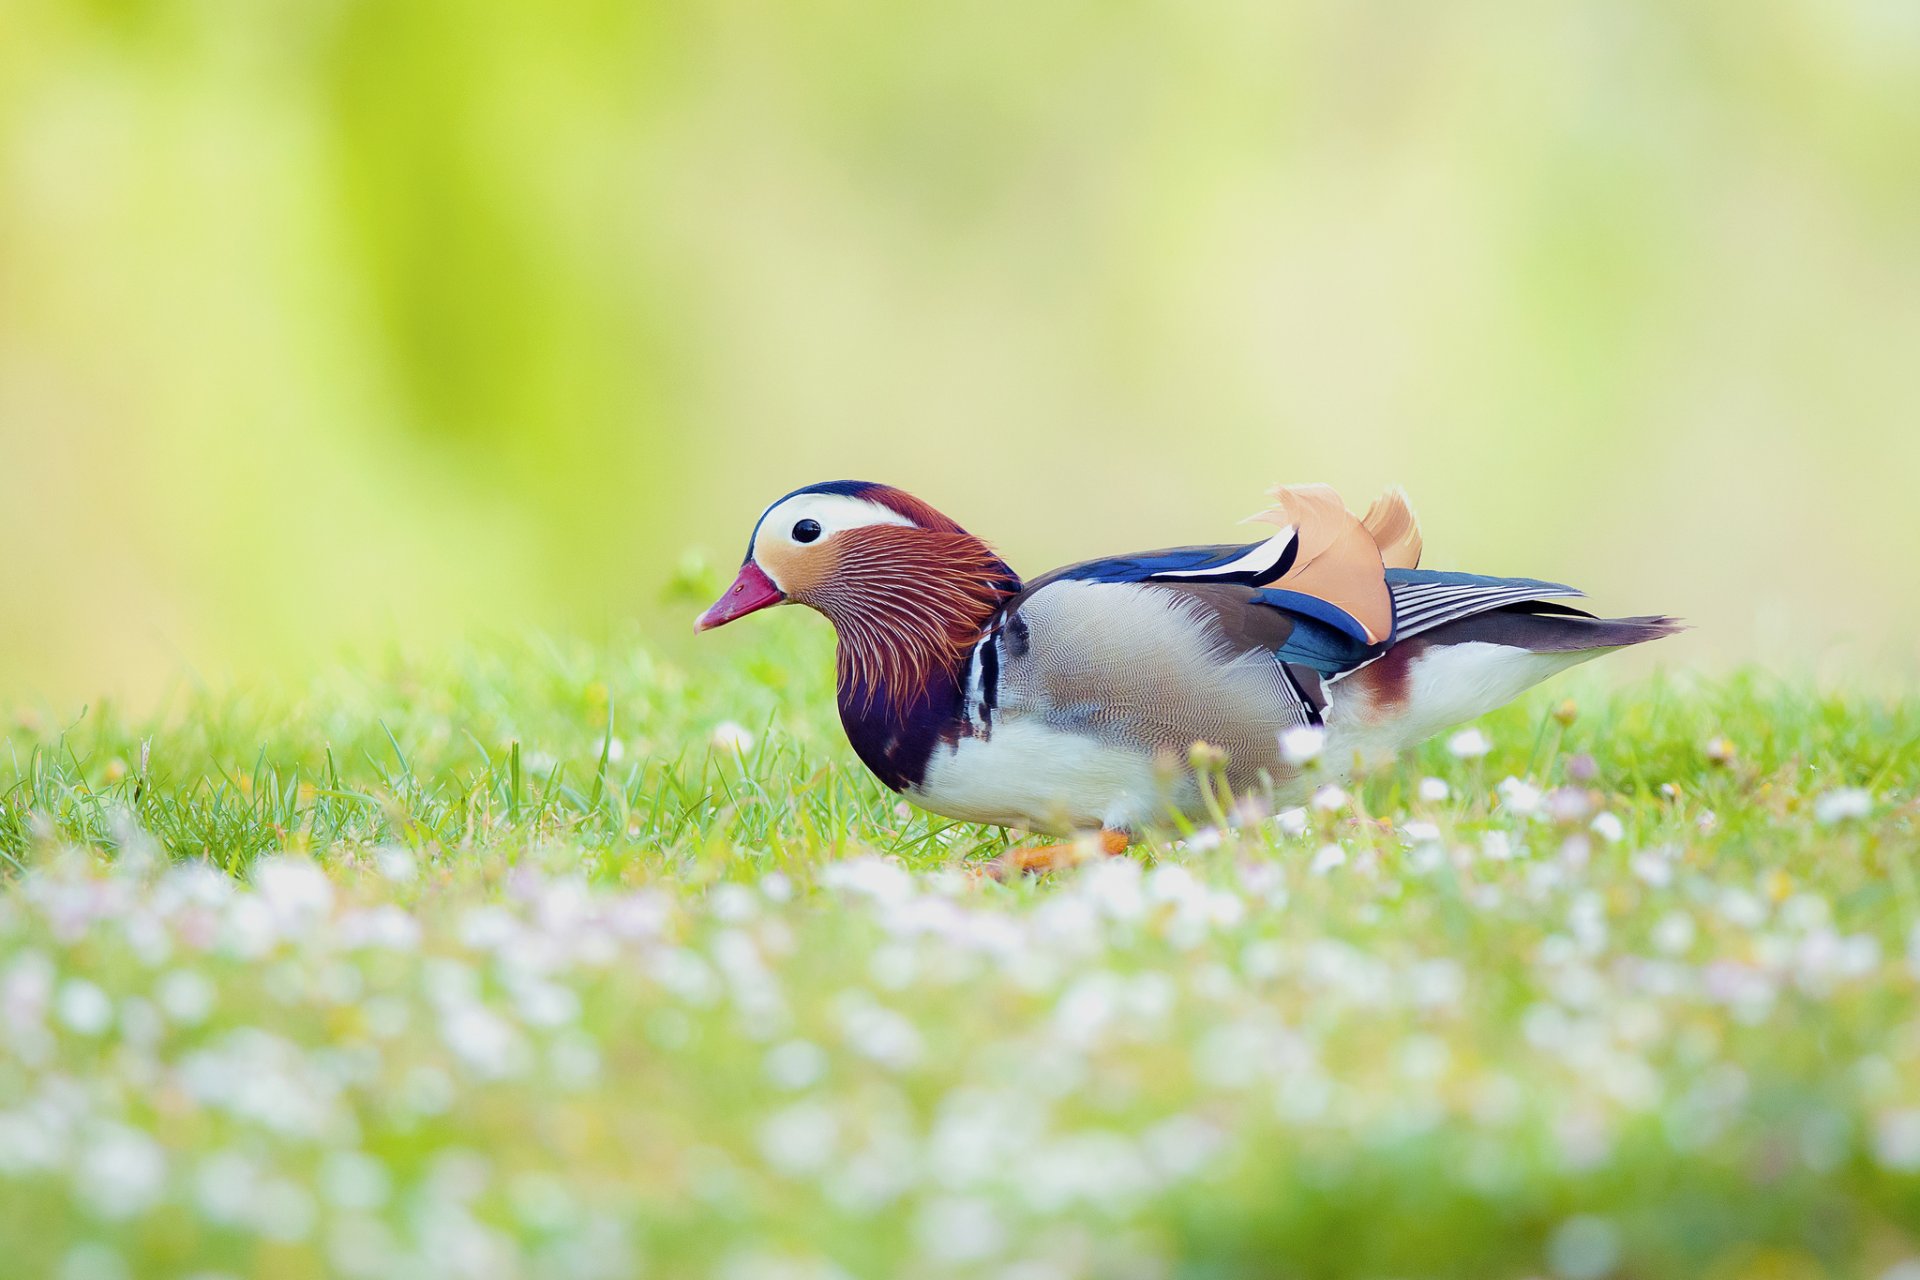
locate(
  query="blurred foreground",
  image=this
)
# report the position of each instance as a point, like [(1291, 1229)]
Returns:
[(557, 963)]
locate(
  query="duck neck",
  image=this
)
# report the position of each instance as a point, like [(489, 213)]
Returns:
[(907, 626)]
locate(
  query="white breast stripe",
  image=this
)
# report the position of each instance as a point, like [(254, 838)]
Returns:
[(1259, 560)]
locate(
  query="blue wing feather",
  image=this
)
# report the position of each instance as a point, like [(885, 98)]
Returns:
[(1150, 564)]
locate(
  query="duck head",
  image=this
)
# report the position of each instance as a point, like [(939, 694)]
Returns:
[(906, 588)]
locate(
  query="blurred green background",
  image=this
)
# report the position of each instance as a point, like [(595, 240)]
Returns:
[(329, 321)]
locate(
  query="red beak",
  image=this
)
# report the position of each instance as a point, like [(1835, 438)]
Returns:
[(751, 592)]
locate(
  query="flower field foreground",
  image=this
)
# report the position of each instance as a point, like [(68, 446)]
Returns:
[(552, 963)]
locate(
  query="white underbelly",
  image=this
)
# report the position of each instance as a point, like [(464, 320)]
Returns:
[(1027, 774), (1447, 685)]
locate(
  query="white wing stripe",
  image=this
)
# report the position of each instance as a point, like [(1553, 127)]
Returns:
[(1260, 559)]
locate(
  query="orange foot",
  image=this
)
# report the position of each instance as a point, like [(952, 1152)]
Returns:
[(1040, 859)]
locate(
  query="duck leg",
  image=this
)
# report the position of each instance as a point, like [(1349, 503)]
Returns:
[(1041, 859)]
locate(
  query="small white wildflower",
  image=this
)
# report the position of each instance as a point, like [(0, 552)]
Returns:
[(487, 1043), (121, 1173), (1291, 821), (1742, 909), (1568, 805), (223, 1187), (354, 1180), (732, 903), (1608, 827), (1519, 797), (1841, 805), (1469, 744), (1674, 933), (1329, 799), (92, 1260), (1496, 846), (283, 1210), (1327, 858), (1584, 1248), (1896, 1140), (960, 1229), (83, 1007), (796, 1064), (1434, 790), (878, 1033), (731, 735), (1651, 867), (800, 1139), (1421, 832), (574, 1059), (1205, 840), (776, 887), (294, 889), (396, 863), (1301, 743)]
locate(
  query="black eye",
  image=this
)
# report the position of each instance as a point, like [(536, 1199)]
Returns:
[(806, 531)]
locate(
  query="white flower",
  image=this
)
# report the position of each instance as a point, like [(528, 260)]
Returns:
[(483, 1040), (396, 864), (1519, 797), (731, 735), (1205, 840), (1434, 790), (186, 997), (386, 927), (1896, 1140), (1327, 858), (877, 1032), (1608, 827), (732, 903), (887, 883), (83, 1007), (796, 1064), (294, 889), (1496, 846), (1301, 743), (1291, 821), (1329, 799), (1652, 868), (121, 1173), (92, 1260), (800, 1139), (283, 1210), (1421, 832), (1742, 909), (1170, 882), (1469, 744), (1674, 933), (354, 1180), (1584, 1248), (574, 1059), (960, 1229), (1841, 805)]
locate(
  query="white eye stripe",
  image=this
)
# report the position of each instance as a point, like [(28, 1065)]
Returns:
[(834, 512)]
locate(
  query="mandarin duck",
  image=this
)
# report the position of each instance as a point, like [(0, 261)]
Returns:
[(1072, 703)]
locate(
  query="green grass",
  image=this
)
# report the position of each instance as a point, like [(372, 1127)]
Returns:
[(504, 967)]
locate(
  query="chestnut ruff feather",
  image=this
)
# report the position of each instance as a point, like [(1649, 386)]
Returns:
[(908, 603)]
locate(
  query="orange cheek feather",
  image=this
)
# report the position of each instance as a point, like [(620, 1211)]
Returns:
[(799, 571)]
